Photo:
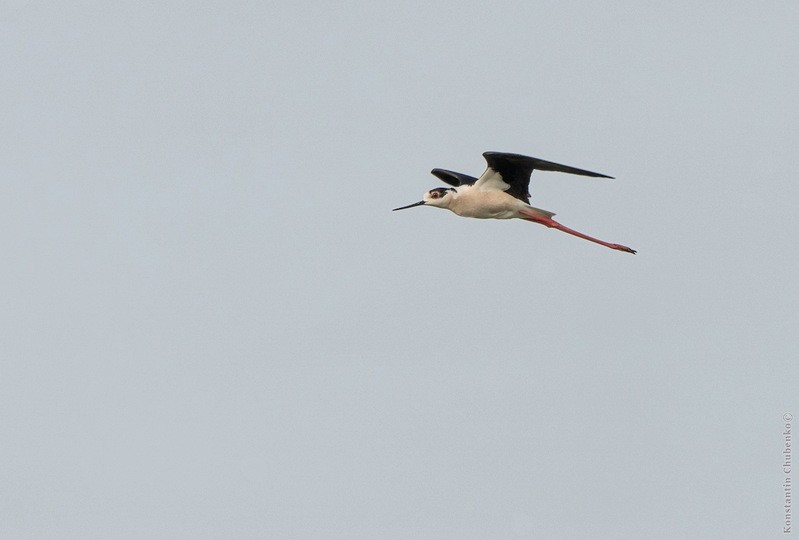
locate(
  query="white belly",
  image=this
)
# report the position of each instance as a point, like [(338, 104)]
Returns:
[(486, 204)]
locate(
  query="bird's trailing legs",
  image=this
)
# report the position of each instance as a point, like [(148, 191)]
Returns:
[(548, 222)]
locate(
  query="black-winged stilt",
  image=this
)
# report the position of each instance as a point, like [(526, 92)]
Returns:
[(502, 192)]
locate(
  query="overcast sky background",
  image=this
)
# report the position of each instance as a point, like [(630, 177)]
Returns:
[(214, 326)]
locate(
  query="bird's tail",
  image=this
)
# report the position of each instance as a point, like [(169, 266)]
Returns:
[(539, 213)]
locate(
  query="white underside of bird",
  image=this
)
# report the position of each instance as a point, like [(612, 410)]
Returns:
[(487, 202)]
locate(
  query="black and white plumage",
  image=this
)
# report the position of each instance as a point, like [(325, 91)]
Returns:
[(502, 192), (515, 170)]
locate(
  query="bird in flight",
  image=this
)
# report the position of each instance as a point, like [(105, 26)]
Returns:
[(502, 192)]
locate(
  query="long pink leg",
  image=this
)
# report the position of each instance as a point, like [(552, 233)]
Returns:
[(548, 222)]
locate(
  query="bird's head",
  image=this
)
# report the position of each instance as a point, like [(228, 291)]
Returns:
[(440, 197)]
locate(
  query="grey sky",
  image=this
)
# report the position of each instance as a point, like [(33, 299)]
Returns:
[(214, 326)]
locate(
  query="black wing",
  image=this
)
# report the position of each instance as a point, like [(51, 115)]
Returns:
[(453, 178), (515, 171)]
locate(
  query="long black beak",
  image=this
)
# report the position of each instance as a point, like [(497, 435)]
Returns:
[(409, 206)]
